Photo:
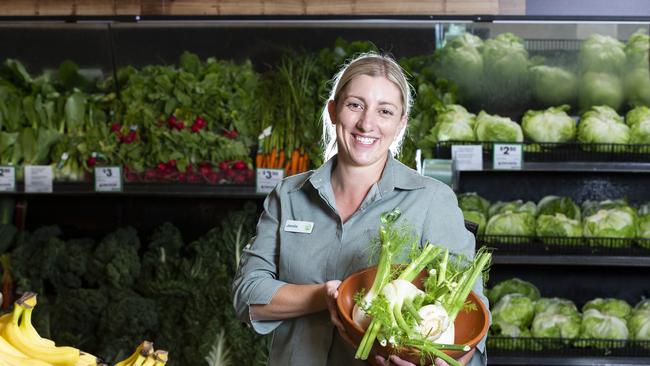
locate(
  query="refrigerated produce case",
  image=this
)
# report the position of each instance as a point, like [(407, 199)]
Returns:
[(598, 172)]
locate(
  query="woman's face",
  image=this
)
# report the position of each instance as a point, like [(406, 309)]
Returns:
[(368, 116)]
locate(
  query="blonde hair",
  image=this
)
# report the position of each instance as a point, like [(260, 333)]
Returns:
[(371, 64)]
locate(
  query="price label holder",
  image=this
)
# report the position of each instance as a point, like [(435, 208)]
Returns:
[(508, 157), (108, 179), (467, 157), (267, 179), (7, 178), (38, 179)]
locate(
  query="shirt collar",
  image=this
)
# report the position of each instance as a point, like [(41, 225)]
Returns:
[(395, 175)]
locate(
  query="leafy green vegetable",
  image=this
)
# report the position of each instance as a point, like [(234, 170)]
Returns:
[(592, 207), (496, 128), (603, 125), (511, 224), (452, 131), (505, 71), (513, 206), (597, 325), (551, 205), (460, 61), (555, 305), (637, 115), (556, 325), (513, 286), (639, 325), (637, 87), (609, 306), (611, 223), (513, 309), (600, 53), (557, 225), (553, 86), (550, 125), (637, 49), (471, 201), (597, 88)]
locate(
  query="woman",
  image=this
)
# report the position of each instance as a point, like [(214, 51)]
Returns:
[(316, 226)]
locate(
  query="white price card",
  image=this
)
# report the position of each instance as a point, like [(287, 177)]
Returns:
[(108, 179), (508, 156), (7, 179), (467, 157), (267, 179), (38, 178)]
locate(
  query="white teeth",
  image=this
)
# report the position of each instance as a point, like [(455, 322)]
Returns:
[(365, 140)]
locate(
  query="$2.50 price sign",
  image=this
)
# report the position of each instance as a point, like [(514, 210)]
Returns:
[(508, 156)]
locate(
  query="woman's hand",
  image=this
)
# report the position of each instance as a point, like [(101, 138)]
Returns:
[(331, 293), (394, 360)]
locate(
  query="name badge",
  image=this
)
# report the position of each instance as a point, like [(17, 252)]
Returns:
[(304, 227)]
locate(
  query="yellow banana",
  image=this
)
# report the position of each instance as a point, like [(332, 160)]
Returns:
[(11, 359), (151, 361), (57, 356), (7, 348), (161, 357), (28, 301), (4, 319), (30, 332), (140, 360), (145, 348)]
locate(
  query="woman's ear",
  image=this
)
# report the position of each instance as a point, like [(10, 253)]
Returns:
[(331, 109), (403, 122)]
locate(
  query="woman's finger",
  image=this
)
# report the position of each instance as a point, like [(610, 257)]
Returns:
[(395, 360), (440, 362)]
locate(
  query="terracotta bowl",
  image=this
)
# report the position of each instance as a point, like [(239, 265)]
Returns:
[(470, 327)]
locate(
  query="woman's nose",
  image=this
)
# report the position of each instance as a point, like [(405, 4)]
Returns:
[(366, 122)]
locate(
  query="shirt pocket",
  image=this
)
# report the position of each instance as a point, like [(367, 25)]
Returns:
[(303, 256)]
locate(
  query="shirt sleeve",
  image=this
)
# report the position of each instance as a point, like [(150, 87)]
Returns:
[(256, 280), (444, 226)]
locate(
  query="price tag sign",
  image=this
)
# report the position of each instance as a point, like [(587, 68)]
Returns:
[(38, 179), (467, 157), (7, 179), (508, 156), (267, 179), (108, 179)]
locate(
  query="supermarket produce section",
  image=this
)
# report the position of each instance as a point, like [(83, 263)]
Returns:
[(187, 111)]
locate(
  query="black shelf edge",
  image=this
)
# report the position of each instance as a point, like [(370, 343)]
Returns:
[(572, 260), (575, 361), (149, 189), (615, 167)]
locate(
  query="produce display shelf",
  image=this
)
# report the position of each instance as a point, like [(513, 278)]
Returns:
[(530, 245), (572, 260), (153, 189), (568, 361), (601, 167), (539, 351), (560, 152)]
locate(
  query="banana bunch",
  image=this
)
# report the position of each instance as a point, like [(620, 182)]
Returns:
[(145, 355), (21, 345)]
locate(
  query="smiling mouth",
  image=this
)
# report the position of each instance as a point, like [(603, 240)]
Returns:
[(365, 140)]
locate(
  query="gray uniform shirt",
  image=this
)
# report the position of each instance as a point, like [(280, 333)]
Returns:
[(334, 250)]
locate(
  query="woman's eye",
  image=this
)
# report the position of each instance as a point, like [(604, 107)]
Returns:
[(387, 112), (354, 105)]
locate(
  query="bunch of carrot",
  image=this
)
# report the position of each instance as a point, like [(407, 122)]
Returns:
[(297, 162)]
